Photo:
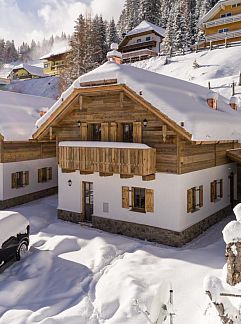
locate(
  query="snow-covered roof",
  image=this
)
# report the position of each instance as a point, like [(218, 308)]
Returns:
[(105, 145), (19, 113), (216, 8), (33, 70), (11, 224), (183, 102), (145, 26), (59, 51)]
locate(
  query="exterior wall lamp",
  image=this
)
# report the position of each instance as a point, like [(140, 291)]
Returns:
[(70, 183), (145, 123)]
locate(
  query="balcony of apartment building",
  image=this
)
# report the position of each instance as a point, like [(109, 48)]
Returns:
[(225, 19), (138, 55)]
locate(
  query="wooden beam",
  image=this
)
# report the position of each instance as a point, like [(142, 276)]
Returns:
[(149, 177), (86, 172), (105, 174), (81, 102), (126, 176), (67, 171)]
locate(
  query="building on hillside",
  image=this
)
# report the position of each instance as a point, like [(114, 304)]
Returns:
[(143, 42), (26, 71), (28, 169), (55, 61), (222, 24), (5, 74), (143, 154)]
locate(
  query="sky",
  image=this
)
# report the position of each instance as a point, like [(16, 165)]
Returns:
[(24, 20)]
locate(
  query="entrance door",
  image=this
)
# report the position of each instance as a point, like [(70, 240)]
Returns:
[(88, 201), (231, 183)]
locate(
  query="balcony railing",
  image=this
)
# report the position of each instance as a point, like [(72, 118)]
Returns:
[(139, 53), (138, 46), (108, 157), (223, 36), (223, 21)]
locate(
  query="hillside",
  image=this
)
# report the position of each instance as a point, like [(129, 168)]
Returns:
[(220, 66)]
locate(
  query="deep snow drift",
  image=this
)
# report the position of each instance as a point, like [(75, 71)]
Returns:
[(75, 274)]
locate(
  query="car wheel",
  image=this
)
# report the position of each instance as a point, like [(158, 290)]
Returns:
[(21, 250)]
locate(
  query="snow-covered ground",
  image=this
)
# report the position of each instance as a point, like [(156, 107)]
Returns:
[(220, 66), (75, 274)]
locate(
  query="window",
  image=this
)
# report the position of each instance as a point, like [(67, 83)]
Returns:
[(46, 65), (20, 179), (224, 30), (95, 132), (226, 15), (128, 133), (194, 199), (236, 5), (44, 175), (216, 190), (138, 40), (142, 199), (148, 38)]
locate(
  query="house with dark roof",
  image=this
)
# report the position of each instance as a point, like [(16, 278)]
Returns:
[(142, 42)]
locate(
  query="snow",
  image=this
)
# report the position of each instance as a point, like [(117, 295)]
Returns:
[(183, 102), (145, 26), (237, 212), (11, 224), (19, 113), (105, 145), (33, 70), (58, 51), (79, 275), (232, 232)]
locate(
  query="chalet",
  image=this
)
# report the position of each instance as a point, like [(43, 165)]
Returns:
[(26, 71), (222, 24), (27, 168), (55, 61), (143, 154), (143, 42)]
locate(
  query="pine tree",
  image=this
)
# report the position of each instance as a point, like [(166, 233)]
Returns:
[(112, 36), (167, 44), (150, 10)]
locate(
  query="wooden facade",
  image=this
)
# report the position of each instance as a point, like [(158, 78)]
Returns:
[(113, 106)]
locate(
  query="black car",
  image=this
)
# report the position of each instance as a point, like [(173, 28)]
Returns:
[(14, 236)]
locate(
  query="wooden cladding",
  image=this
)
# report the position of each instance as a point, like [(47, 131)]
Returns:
[(25, 151), (128, 161), (194, 199), (138, 199)]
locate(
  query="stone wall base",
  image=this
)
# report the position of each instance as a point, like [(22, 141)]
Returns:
[(8, 203), (149, 233)]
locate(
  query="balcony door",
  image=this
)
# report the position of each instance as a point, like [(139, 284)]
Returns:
[(88, 201)]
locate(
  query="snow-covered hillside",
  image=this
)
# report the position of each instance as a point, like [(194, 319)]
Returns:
[(78, 275), (44, 87), (220, 66)]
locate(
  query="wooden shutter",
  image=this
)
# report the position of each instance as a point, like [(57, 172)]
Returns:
[(14, 180), (137, 132), (39, 175), (200, 196), (50, 174), (149, 200), (221, 188), (213, 191), (104, 132), (26, 178), (113, 132), (83, 132), (125, 197), (190, 200)]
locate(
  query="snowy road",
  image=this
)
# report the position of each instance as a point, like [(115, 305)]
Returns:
[(76, 274)]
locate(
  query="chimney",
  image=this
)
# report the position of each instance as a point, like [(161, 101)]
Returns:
[(114, 55), (234, 103), (212, 100)]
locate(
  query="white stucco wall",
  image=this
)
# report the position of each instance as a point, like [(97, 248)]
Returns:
[(170, 196), (6, 170)]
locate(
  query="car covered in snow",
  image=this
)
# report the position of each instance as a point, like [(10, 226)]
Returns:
[(14, 236)]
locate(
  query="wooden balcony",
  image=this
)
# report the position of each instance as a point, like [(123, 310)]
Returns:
[(139, 54), (138, 46), (223, 36), (107, 158), (223, 21)]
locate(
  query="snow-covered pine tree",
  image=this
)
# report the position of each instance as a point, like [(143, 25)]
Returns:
[(179, 42), (150, 10), (10, 52), (129, 17), (167, 44), (112, 35)]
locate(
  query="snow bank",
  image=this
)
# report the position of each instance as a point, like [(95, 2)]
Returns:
[(232, 232), (11, 224)]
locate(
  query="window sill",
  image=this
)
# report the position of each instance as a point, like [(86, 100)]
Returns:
[(136, 210)]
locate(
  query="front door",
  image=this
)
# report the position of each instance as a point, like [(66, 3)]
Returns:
[(231, 183), (88, 201)]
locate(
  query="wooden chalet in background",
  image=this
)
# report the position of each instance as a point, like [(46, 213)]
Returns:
[(26, 71), (55, 61), (143, 154), (143, 42), (222, 24)]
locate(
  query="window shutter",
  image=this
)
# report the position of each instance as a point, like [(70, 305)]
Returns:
[(104, 132), (50, 174), (26, 178), (39, 175), (125, 197), (189, 200), (14, 180), (149, 200), (200, 196), (221, 188), (212, 191), (83, 132), (113, 132), (137, 132)]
